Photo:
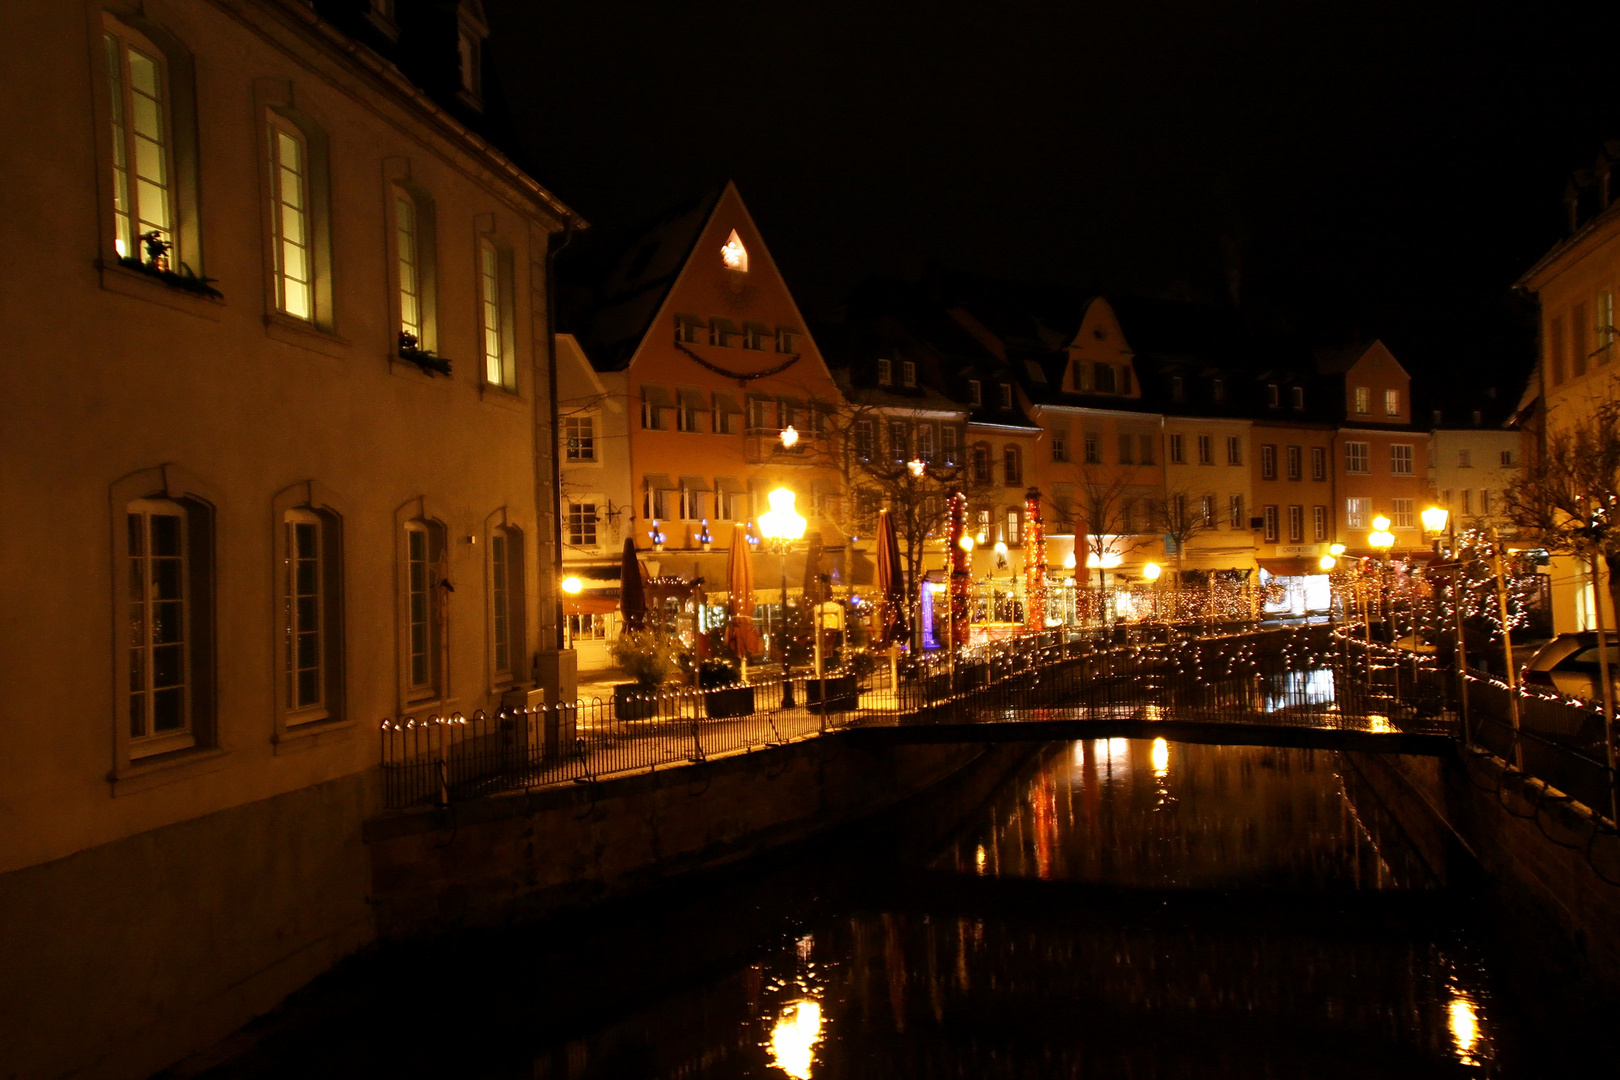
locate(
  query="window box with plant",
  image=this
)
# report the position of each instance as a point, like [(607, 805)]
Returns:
[(156, 265), (430, 362)]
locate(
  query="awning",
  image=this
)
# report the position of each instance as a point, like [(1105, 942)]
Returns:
[(726, 402), (724, 325), (695, 483), (657, 397), (657, 482), (592, 602), (690, 398), (1296, 566), (730, 485)]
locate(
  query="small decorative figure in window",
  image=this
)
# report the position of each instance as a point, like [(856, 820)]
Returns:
[(734, 255), (157, 249)]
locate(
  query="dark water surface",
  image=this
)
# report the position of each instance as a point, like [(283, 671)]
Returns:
[(1119, 908)]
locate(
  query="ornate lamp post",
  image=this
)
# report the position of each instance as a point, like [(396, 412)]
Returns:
[(781, 526)]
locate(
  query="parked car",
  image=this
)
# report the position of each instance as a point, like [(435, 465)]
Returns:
[(1569, 663)]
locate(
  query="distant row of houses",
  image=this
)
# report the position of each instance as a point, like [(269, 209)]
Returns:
[(1152, 431)]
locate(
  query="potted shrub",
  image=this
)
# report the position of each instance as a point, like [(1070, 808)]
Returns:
[(723, 692), (649, 660)]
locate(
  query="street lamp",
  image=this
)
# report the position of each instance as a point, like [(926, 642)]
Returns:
[(571, 586), (1382, 540), (1151, 571), (917, 467), (790, 437), (781, 526)]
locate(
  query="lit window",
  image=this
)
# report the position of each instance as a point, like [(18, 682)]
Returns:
[(1400, 459), (1355, 513), (733, 254), (162, 628), (294, 249), (410, 284), (579, 438), (495, 317), (143, 177), (1363, 399), (1014, 532), (1392, 403)]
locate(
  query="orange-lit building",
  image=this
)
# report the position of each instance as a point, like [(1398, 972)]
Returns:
[(691, 322)]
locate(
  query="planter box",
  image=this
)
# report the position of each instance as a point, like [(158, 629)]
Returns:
[(728, 701), (841, 694), (631, 701)]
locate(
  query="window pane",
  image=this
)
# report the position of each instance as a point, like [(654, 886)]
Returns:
[(143, 73), (169, 710), (168, 665), (168, 622), (165, 534)]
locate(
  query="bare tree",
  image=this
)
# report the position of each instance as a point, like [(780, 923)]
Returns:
[(1102, 505), (1183, 517)]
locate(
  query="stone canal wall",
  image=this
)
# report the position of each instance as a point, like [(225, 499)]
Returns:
[(526, 854), (1544, 855)]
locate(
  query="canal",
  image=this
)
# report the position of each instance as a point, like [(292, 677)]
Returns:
[(1114, 908)]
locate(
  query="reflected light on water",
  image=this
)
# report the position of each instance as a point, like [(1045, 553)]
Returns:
[(1161, 757), (1379, 725), (794, 1038), (978, 860), (1464, 1020)]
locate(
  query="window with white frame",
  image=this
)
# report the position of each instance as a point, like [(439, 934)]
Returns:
[(304, 601), (1012, 466), (1296, 524), (1485, 502), (585, 626), (1015, 532), (1507, 459), (925, 442), (1006, 395), (688, 407), (1060, 446), (884, 371), (579, 438), (864, 440), (1363, 399), (1268, 461), (761, 414), (424, 609), (899, 441), (982, 522), (1269, 514), (1296, 463), (144, 191), (652, 412), (1400, 459), (1318, 463), (784, 340), (1176, 455), (691, 503), (728, 503), (1402, 515), (1467, 502), (1392, 403), (579, 523), (1319, 526), (1234, 450), (163, 628), (1355, 513), (1093, 447), (1207, 511), (947, 444), (1355, 457), (1297, 394), (1234, 512), (291, 224), (908, 373), (495, 316), (1206, 450), (654, 505)]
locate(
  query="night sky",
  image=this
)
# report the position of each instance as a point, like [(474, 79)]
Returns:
[(1345, 170)]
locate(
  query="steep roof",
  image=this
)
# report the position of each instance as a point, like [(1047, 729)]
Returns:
[(611, 289)]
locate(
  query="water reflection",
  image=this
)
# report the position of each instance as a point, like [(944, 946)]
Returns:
[(794, 1038)]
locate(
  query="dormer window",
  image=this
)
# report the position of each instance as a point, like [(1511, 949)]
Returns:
[(1298, 395), (784, 341), (908, 373), (471, 30), (734, 255), (975, 394), (1217, 389), (1178, 388), (1105, 378), (1006, 395), (1273, 395), (884, 371)]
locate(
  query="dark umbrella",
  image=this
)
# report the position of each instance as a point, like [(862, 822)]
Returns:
[(632, 597), (891, 586), (815, 587)]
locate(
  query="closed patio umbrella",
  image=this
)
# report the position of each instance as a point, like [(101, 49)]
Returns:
[(891, 586), (632, 597), (741, 634)]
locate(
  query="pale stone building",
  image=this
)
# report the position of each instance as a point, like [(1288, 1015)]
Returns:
[(263, 512)]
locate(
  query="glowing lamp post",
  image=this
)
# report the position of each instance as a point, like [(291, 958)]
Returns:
[(1435, 520), (571, 587), (780, 525), (790, 437), (917, 467), (1381, 539)]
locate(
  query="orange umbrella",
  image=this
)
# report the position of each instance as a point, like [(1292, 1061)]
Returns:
[(741, 634), (891, 586)]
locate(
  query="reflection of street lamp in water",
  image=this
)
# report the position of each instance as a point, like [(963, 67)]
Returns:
[(781, 526)]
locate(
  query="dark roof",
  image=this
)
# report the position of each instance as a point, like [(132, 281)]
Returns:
[(611, 289)]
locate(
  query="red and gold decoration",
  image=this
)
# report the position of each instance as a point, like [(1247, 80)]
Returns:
[(961, 569), (1034, 562)]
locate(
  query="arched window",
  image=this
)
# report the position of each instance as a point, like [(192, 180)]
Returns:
[(150, 116), (1012, 466)]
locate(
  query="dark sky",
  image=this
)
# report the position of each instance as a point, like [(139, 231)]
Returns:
[(1350, 168)]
